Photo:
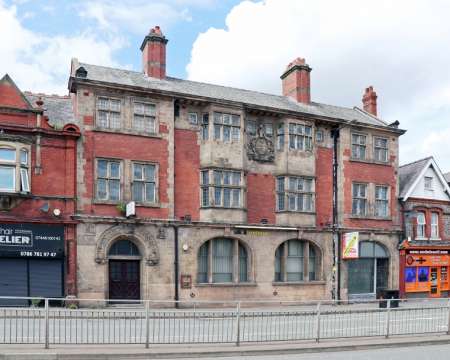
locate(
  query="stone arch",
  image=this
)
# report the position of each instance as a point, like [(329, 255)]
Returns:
[(142, 239)]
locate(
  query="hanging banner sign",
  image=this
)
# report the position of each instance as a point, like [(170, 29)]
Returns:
[(350, 245)]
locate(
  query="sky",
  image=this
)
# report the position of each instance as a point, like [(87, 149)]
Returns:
[(399, 47)]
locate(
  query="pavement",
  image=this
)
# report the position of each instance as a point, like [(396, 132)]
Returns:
[(264, 351)]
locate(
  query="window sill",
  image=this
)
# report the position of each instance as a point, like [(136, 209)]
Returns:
[(107, 202), (221, 208), (240, 284), (435, 239), (298, 283), (373, 162), (358, 217), (127, 132), (148, 205), (295, 212)]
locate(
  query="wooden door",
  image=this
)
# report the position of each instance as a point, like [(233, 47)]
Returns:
[(124, 280)]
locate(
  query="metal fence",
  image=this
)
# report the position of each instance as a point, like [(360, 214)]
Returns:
[(151, 322)]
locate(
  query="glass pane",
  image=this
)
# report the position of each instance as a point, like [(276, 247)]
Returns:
[(236, 198), (205, 177), (280, 184), (295, 248), (217, 177), (312, 263), (103, 103), (139, 108), (25, 185), (217, 118), (226, 198), (149, 172), (226, 119), (293, 184), (226, 133), (236, 178), (226, 177), (202, 274), (137, 173), (102, 119), (150, 110), (114, 120), (150, 192), (366, 249), (243, 269), (138, 191), (125, 248), (205, 196), (24, 157), (222, 260), (8, 155), (114, 190), (114, 170), (7, 178), (278, 257), (251, 127), (102, 194), (380, 252), (217, 196), (382, 273), (236, 120), (361, 276), (115, 105), (217, 132), (235, 133)]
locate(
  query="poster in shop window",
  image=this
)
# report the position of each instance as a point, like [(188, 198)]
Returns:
[(350, 245)]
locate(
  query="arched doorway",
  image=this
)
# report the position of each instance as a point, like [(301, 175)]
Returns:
[(370, 272), (124, 271)]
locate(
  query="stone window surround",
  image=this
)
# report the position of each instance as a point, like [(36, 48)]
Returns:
[(287, 123), (210, 110), (370, 144), (235, 277), (370, 202), (428, 211), (18, 146), (126, 180), (127, 114), (242, 186), (318, 268), (286, 185)]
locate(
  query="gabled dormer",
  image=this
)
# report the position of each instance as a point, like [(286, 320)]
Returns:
[(11, 96), (423, 179)]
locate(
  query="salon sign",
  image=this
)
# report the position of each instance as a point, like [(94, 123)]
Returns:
[(350, 245)]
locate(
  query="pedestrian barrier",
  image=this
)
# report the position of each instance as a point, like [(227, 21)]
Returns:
[(88, 321)]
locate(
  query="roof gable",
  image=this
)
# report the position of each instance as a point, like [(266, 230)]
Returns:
[(412, 181), (11, 96)]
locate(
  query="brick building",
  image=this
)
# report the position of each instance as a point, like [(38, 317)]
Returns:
[(234, 189), (38, 138), (424, 253)]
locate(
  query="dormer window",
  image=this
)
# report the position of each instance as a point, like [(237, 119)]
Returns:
[(14, 167), (428, 183)]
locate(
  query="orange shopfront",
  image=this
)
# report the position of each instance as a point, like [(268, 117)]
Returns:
[(424, 272)]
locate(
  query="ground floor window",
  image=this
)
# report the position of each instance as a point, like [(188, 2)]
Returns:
[(370, 272), (223, 260), (297, 260)]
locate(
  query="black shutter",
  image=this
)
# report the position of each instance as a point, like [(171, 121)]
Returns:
[(46, 278), (13, 281)]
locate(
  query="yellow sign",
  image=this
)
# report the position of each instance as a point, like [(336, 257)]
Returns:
[(350, 245)]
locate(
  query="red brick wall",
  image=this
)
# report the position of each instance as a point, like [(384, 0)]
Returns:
[(187, 174), (324, 187), (355, 171), (260, 198), (125, 147)]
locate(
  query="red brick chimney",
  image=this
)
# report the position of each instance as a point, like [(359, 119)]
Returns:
[(154, 53), (370, 101), (296, 81)]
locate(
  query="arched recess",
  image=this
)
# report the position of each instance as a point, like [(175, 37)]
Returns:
[(224, 260), (142, 239), (298, 260)]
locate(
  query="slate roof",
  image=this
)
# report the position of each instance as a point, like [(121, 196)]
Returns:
[(409, 172), (57, 108), (204, 90), (447, 177)]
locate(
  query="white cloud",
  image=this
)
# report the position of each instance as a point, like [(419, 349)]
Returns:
[(139, 15), (399, 47), (41, 63)]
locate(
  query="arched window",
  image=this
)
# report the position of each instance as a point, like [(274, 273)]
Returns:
[(222, 260), (297, 260), (123, 248), (421, 223)]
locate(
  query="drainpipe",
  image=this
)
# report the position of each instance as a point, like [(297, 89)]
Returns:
[(336, 235), (176, 264)]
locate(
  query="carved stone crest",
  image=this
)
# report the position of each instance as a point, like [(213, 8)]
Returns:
[(260, 148)]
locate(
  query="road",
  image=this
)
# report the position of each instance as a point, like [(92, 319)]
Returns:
[(432, 352)]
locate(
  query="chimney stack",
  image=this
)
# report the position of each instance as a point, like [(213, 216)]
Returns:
[(154, 53), (370, 101), (296, 81)]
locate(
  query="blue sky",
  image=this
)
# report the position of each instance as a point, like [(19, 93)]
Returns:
[(399, 47)]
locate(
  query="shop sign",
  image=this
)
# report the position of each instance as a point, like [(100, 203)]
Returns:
[(350, 245), (31, 240), (427, 252), (427, 260)]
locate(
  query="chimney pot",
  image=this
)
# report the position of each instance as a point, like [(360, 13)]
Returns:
[(296, 81)]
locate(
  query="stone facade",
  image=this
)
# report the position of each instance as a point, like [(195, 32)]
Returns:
[(258, 151)]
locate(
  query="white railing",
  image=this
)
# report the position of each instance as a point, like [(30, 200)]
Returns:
[(96, 321)]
